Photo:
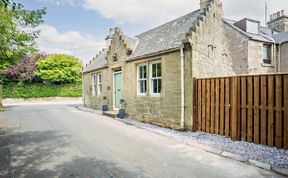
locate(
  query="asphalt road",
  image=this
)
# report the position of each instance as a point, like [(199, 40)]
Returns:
[(61, 141)]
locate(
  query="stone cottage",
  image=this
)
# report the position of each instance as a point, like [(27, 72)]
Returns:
[(153, 72)]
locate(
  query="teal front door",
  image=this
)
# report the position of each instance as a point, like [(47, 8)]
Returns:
[(117, 89)]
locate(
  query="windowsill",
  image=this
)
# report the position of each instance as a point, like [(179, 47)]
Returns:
[(155, 95), (267, 65), (141, 94)]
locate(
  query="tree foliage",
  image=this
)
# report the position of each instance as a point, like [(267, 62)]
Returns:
[(24, 70), (18, 31), (59, 69)]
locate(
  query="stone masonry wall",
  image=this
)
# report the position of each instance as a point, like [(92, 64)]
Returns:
[(284, 57), (163, 110), (238, 49), (211, 55)]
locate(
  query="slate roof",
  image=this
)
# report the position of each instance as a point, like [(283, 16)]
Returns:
[(162, 38), (281, 37), (97, 63), (264, 36), (165, 37)]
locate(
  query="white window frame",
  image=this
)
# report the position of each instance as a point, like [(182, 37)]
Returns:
[(143, 79), (99, 89), (155, 78), (93, 82)]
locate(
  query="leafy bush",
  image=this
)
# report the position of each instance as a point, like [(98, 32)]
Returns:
[(24, 70), (59, 69), (38, 90)]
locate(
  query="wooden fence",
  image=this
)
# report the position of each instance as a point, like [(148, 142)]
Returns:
[(247, 108)]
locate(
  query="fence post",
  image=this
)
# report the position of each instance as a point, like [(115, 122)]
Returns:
[(195, 105), (234, 107), (1, 91)]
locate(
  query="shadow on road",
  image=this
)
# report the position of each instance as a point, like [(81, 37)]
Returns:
[(40, 154)]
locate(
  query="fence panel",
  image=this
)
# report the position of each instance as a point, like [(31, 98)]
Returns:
[(248, 108)]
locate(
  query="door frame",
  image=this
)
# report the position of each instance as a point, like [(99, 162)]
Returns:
[(118, 71)]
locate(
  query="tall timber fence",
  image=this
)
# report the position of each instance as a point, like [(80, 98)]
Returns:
[(247, 108)]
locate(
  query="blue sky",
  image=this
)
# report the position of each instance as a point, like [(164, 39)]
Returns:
[(78, 27)]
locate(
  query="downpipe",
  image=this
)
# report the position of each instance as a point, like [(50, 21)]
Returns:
[(182, 121)]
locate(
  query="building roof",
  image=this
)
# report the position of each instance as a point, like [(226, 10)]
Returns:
[(162, 38), (264, 35), (98, 62), (165, 37), (281, 37)]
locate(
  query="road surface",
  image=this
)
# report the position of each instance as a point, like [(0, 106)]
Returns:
[(61, 141)]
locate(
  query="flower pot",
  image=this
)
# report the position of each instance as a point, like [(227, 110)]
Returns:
[(104, 108), (121, 113)]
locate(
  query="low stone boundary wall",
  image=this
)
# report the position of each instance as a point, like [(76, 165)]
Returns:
[(42, 100)]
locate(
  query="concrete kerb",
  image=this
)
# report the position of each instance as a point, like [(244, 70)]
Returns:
[(216, 151)]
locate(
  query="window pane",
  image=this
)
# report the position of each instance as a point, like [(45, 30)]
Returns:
[(144, 72), (142, 86), (140, 72), (266, 52), (100, 78), (155, 87), (159, 85), (153, 70), (100, 89), (158, 69)]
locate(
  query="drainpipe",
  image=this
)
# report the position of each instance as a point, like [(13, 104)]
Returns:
[(182, 87), (279, 57)]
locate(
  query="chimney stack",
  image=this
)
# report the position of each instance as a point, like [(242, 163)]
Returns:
[(278, 21), (109, 37)]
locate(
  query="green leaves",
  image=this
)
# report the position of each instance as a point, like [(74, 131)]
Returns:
[(38, 90), (59, 68), (18, 33)]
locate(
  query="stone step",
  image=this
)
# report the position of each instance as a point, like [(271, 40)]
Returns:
[(113, 114)]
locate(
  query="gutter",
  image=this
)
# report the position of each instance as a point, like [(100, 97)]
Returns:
[(182, 121), (152, 54), (94, 70), (279, 57)]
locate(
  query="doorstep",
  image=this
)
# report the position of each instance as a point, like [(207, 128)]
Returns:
[(113, 114)]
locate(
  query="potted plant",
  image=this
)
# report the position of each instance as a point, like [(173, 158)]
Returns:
[(122, 110), (105, 105)]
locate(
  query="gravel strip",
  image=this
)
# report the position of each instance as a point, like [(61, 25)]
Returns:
[(261, 153)]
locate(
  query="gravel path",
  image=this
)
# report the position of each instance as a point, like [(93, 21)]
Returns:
[(265, 154)]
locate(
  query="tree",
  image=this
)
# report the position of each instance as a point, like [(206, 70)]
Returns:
[(25, 69), (18, 31), (59, 69)]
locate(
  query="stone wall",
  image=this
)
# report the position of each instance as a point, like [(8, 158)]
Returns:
[(163, 110), (255, 59), (238, 49), (284, 57), (211, 55)]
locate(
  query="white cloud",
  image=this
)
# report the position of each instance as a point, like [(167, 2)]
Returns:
[(154, 12), (144, 11), (60, 2), (72, 42)]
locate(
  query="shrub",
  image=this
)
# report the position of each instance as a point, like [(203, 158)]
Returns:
[(38, 90), (59, 69)]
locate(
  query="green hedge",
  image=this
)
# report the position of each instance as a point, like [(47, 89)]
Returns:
[(38, 90)]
